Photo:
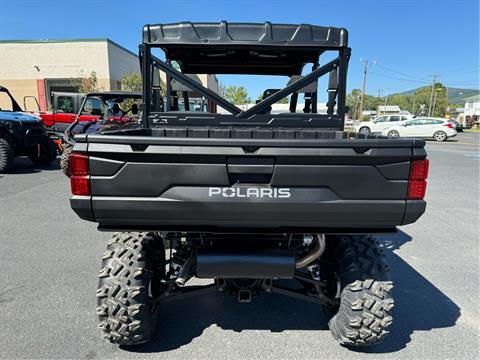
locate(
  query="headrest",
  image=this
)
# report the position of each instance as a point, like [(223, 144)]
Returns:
[(178, 86), (312, 87)]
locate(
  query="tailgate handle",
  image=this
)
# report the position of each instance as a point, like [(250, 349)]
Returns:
[(250, 165)]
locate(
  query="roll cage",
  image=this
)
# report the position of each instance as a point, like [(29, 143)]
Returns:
[(15, 106), (104, 96), (241, 48)]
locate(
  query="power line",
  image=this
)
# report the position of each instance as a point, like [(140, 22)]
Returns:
[(400, 73), (467, 69), (401, 79), (418, 79), (462, 83), (424, 81), (463, 73)]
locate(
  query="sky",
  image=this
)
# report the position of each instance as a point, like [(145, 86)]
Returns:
[(405, 41)]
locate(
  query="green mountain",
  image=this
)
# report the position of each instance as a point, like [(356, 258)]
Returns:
[(455, 95)]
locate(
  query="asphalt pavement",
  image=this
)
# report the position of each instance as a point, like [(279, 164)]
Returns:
[(49, 260)]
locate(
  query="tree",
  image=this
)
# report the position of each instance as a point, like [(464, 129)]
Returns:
[(412, 103), (84, 83), (235, 94), (131, 82), (369, 102), (221, 89), (438, 106), (285, 100)]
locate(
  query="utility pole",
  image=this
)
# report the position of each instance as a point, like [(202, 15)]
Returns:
[(413, 106), (360, 110), (434, 101), (431, 95), (378, 101), (446, 100), (355, 107)]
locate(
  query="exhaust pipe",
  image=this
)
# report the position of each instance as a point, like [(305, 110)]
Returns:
[(313, 255), (184, 273)]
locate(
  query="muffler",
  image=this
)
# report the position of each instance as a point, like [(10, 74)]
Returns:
[(258, 264)]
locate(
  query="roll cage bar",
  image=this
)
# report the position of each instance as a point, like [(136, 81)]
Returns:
[(15, 106), (179, 51)]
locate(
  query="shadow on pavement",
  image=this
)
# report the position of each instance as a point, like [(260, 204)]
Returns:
[(23, 165), (419, 305)]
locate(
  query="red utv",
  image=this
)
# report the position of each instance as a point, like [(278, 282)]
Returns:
[(98, 112)]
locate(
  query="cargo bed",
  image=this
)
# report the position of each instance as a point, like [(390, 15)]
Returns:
[(248, 180)]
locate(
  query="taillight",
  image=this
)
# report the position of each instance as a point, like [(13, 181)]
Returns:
[(78, 164), (417, 181), (449, 125), (79, 174), (80, 185), (419, 169)]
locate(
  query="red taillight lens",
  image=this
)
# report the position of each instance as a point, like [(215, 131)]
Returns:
[(79, 174), (78, 164), (417, 184), (449, 125), (80, 185), (416, 189), (419, 169)]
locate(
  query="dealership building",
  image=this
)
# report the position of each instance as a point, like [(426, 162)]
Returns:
[(33, 69)]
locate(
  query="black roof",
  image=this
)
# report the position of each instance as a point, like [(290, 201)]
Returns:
[(249, 48)]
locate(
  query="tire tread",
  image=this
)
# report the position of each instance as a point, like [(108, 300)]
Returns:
[(124, 311), (6, 155), (365, 307), (65, 159)]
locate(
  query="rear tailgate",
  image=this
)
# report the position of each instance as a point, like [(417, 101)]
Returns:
[(279, 185)]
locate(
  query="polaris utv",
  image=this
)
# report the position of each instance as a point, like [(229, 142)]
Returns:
[(257, 202), (22, 134), (100, 111)]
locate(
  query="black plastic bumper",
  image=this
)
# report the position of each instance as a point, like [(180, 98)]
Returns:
[(337, 216)]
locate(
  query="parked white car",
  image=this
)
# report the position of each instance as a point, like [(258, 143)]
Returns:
[(438, 129), (380, 123)]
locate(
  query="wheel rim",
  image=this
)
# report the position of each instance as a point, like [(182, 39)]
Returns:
[(393, 134), (364, 131), (440, 136)]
